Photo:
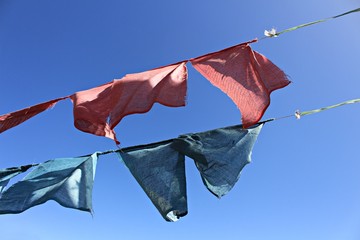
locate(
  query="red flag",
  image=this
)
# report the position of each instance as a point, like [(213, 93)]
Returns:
[(13, 119), (246, 76), (100, 109), (91, 110)]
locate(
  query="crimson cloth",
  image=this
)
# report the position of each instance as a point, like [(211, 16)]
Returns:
[(13, 119), (246, 76), (100, 109)]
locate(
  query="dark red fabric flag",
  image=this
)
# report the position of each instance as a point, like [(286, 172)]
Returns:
[(13, 119), (99, 110), (246, 76)]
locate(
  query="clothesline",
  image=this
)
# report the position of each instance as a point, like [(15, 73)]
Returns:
[(251, 103), (158, 167), (245, 75), (273, 33)]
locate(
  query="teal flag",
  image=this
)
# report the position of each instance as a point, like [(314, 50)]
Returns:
[(160, 171), (8, 173), (219, 154), (68, 181)]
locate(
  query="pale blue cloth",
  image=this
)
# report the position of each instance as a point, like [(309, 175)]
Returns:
[(68, 181), (160, 171), (219, 154)]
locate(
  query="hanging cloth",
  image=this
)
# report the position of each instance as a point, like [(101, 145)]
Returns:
[(219, 154), (246, 76), (13, 119), (160, 171), (68, 181), (99, 110)]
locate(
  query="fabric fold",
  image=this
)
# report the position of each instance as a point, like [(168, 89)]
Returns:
[(160, 171), (219, 154), (8, 173), (68, 181), (99, 110), (13, 119), (246, 76)]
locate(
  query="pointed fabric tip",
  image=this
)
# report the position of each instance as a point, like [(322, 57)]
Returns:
[(99, 110), (160, 171), (246, 76), (68, 181), (13, 119), (219, 154)]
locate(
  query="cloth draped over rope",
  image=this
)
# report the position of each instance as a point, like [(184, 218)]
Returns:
[(13, 119), (100, 109), (219, 154), (159, 168), (248, 92), (246, 76), (68, 181), (160, 171)]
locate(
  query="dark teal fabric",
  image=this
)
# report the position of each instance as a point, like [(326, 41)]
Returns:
[(68, 181), (219, 154), (159, 168), (8, 173), (160, 171)]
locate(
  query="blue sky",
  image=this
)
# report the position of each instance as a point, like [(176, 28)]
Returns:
[(303, 182)]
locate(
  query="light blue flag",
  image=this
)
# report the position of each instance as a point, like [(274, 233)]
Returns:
[(219, 154), (68, 181), (160, 171)]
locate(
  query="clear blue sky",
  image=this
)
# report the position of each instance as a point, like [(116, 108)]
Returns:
[(303, 182)]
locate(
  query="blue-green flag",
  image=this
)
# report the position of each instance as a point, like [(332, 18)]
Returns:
[(8, 173), (219, 154), (68, 181), (160, 171)]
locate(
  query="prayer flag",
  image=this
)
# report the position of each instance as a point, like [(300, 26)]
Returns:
[(13, 119), (219, 154), (160, 171), (246, 76), (100, 109), (68, 181)]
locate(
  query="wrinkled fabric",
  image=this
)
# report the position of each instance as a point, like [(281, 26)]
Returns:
[(68, 181), (8, 173), (219, 154), (99, 110), (92, 109), (246, 76), (13, 119), (160, 171)]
